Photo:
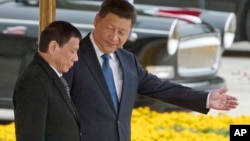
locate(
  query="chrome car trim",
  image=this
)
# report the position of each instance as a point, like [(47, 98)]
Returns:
[(88, 26), (173, 38), (163, 72), (223, 21), (200, 42), (195, 61), (6, 114), (18, 21), (229, 30), (197, 84)]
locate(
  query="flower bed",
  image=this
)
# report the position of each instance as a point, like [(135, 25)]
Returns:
[(7, 132), (173, 126)]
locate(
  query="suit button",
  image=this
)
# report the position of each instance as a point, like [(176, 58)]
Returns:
[(118, 122)]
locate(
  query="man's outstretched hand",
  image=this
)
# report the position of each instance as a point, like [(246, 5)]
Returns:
[(220, 100)]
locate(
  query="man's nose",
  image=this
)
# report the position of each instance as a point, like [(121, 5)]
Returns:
[(114, 36), (75, 58)]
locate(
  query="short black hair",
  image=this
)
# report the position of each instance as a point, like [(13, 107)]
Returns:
[(121, 8), (60, 31)]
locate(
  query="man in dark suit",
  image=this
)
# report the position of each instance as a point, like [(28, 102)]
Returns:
[(105, 113), (42, 106)]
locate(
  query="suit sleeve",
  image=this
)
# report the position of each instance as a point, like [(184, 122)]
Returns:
[(30, 108), (152, 86)]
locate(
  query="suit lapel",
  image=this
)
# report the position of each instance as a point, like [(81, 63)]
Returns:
[(126, 79), (64, 94), (52, 75), (88, 55)]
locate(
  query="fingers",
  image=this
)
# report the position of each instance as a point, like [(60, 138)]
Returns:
[(231, 103), (231, 98), (221, 101)]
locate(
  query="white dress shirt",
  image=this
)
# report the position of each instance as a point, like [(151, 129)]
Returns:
[(59, 74), (115, 66)]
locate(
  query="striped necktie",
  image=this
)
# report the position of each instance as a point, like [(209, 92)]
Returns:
[(66, 86)]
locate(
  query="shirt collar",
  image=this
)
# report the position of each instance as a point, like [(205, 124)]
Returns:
[(99, 53), (59, 74)]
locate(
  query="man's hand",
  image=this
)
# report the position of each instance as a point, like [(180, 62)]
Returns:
[(219, 100)]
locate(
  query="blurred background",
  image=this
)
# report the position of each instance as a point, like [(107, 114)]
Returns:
[(206, 48)]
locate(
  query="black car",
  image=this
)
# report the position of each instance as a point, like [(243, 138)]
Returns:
[(182, 49), (240, 7)]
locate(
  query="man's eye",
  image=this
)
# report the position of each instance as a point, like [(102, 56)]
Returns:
[(109, 28), (122, 33)]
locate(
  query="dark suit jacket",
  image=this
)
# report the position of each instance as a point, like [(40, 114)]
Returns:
[(42, 108), (93, 101)]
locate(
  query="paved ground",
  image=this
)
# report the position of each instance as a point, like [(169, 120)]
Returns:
[(235, 69)]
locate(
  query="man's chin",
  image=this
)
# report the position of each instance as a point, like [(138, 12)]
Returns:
[(66, 70)]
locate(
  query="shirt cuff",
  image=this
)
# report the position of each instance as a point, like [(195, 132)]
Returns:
[(208, 97)]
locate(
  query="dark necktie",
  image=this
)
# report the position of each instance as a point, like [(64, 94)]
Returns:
[(107, 71), (66, 86)]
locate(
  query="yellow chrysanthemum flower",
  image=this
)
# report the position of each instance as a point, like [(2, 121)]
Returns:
[(149, 125)]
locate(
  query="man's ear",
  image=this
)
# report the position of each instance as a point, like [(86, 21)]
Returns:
[(97, 19), (52, 47)]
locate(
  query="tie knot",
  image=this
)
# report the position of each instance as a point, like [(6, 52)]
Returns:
[(105, 57)]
